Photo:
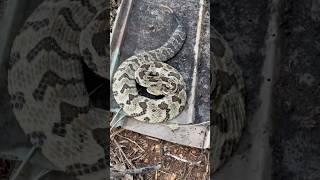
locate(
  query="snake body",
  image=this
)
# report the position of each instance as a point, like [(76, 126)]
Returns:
[(227, 116), (148, 70), (47, 89), (50, 101), (227, 97)]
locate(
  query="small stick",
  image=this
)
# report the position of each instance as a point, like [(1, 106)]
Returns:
[(189, 172), (148, 137), (183, 160), (141, 170), (93, 91), (206, 173), (132, 142), (164, 172), (123, 154), (135, 158), (115, 133), (118, 153), (42, 173)]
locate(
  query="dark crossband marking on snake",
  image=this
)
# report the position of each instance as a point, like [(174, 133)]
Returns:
[(227, 116), (46, 84), (149, 70)]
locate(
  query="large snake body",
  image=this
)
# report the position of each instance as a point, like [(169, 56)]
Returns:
[(227, 97), (148, 70), (227, 116), (47, 89), (51, 103)]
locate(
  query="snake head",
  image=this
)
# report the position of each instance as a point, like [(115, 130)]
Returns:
[(169, 87), (152, 77)]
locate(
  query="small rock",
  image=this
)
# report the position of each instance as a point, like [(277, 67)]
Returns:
[(157, 148), (172, 177), (165, 148)]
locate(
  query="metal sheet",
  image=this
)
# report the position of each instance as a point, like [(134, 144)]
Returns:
[(146, 27)]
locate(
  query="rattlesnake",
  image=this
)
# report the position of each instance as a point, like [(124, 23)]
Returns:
[(46, 84), (51, 104), (148, 70), (227, 116), (227, 97)]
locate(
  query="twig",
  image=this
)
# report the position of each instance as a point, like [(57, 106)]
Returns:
[(163, 172), (132, 142), (148, 137), (42, 173), (113, 157), (98, 87), (183, 160), (184, 170), (120, 156), (142, 170), (189, 172), (124, 155), (206, 173), (141, 155), (115, 133)]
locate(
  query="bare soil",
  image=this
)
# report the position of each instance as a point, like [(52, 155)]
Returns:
[(132, 150)]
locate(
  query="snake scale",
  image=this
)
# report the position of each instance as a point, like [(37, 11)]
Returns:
[(46, 84), (227, 116), (148, 70)]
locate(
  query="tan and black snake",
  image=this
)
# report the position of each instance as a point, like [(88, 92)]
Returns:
[(47, 89), (227, 116), (149, 70), (51, 103)]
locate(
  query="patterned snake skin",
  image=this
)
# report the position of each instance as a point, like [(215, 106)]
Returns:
[(51, 104), (46, 84), (148, 70), (227, 101)]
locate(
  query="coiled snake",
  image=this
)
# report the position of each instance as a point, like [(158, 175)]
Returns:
[(50, 101), (148, 70), (227, 97), (46, 84)]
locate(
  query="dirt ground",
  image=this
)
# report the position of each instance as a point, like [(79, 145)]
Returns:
[(132, 150)]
